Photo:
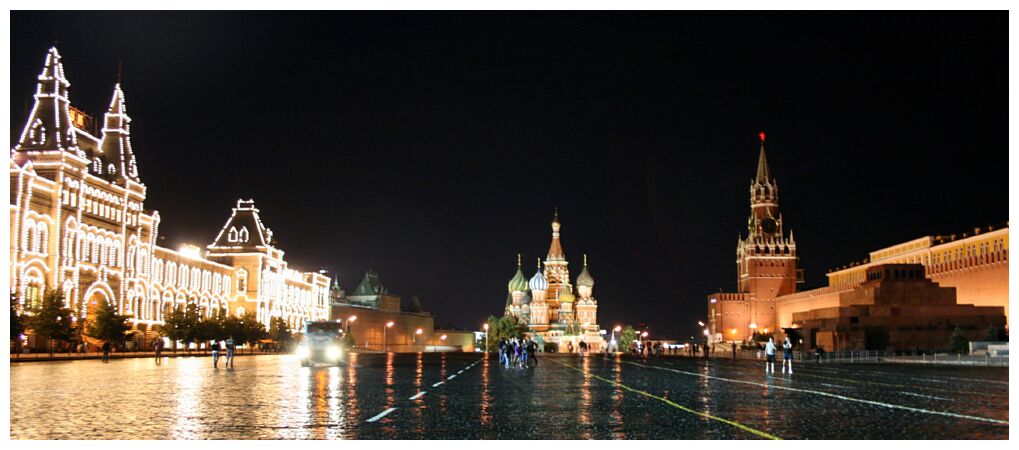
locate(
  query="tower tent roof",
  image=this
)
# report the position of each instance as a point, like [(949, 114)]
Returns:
[(555, 249), (370, 285), (116, 146), (243, 230), (763, 173), (49, 125)]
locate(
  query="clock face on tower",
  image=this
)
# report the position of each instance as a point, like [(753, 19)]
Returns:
[(769, 225)]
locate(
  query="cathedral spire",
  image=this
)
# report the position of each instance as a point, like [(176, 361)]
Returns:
[(555, 250), (117, 138), (763, 173), (49, 124)]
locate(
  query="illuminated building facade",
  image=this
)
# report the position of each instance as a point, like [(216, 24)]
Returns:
[(974, 264), (79, 225), (547, 304)]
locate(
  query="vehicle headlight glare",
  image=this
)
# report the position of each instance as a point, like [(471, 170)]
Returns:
[(303, 352), (334, 353)]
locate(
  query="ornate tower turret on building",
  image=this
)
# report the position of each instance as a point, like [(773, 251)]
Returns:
[(766, 258), (49, 125), (587, 306), (557, 270), (539, 309), (116, 144), (517, 288)]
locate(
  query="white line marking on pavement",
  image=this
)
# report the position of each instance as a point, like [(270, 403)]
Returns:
[(926, 396), (931, 380), (836, 386), (451, 377), (829, 394), (382, 414), (437, 384), (418, 395), (458, 373)]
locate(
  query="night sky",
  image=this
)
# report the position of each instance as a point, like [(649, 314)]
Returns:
[(432, 147)]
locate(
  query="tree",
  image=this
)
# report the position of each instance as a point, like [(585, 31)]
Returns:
[(279, 332), (996, 334), (51, 320), (958, 343), (182, 325), (627, 337), (106, 325), (211, 328), (17, 325), (252, 329), (504, 327)]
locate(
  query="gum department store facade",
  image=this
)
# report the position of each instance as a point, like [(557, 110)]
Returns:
[(78, 224), (902, 288)]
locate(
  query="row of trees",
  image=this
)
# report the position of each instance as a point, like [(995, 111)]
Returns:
[(53, 323)]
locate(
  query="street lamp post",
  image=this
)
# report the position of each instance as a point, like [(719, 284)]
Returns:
[(349, 320), (485, 326), (388, 325), (416, 334)]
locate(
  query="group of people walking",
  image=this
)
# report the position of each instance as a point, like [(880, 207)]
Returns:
[(517, 352), (217, 348)]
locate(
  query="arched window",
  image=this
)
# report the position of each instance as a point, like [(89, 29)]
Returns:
[(243, 235), (232, 235), (242, 280), (28, 243)]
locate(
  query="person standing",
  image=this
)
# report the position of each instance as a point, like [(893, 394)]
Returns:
[(533, 351), (787, 355), (215, 354), (106, 351), (524, 352), (158, 345), (769, 353), (230, 353), (501, 344)]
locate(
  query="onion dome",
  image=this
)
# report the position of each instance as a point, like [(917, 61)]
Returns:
[(518, 282), (566, 294), (585, 278), (538, 281)]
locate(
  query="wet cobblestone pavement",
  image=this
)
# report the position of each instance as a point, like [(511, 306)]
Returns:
[(464, 396)]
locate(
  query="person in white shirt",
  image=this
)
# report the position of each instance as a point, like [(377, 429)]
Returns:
[(769, 351)]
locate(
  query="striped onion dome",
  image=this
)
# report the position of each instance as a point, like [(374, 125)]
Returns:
[(538, 281), (518, 282), (566, 294), (585, 278)]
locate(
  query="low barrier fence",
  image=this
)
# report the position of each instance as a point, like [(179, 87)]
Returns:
[(868, 356)]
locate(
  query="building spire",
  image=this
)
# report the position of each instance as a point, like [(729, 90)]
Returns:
[(555, 250), (763, 173), (117, 139), (49, 124), (518, 261)]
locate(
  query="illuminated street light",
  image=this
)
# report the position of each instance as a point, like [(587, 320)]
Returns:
[(388, 325), (485, 326), (443, 338), (416, 334)]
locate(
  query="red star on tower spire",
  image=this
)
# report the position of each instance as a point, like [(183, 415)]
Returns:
[(761, 135)]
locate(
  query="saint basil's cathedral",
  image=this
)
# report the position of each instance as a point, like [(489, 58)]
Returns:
[(548, 305)]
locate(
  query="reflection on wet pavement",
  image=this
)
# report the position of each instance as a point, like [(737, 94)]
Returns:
[(464, 396)]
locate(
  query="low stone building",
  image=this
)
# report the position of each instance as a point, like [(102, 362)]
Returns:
[(895, 307)]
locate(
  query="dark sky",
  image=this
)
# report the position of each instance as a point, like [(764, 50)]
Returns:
[(433, 147)]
